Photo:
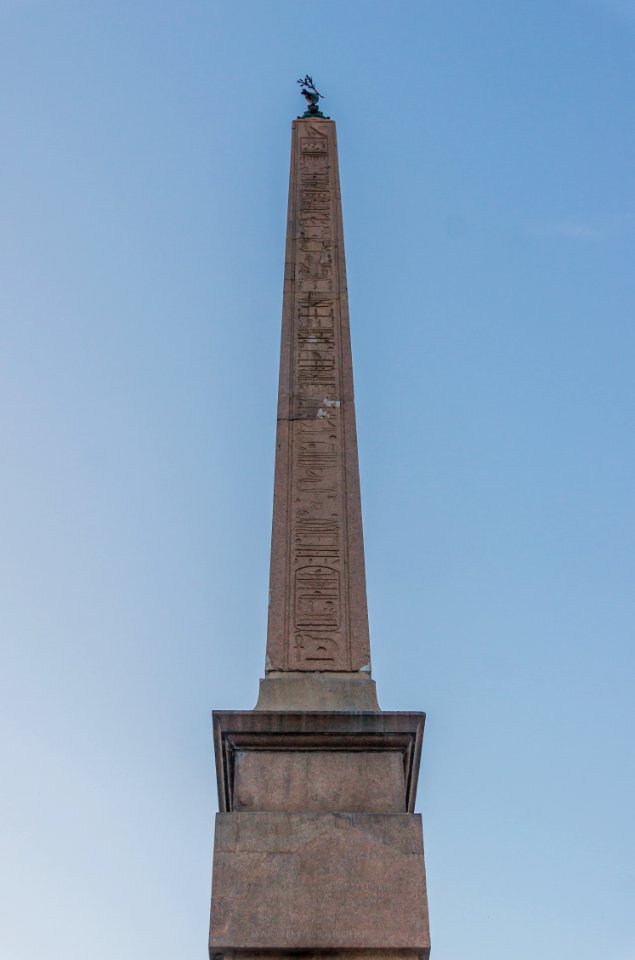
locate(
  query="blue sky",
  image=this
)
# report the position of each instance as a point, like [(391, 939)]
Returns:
[(486, 157)]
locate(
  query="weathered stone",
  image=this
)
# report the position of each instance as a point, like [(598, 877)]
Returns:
[(318, 618), (319, 781), (317, 691), (230, 953), (319, 881), (251, 743)]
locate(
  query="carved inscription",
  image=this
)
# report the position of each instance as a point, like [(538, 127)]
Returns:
[(318, 597), (317, 545), (314, 145)]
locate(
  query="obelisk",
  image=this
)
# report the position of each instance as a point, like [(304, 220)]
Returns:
[(317, 848), (318, 618)]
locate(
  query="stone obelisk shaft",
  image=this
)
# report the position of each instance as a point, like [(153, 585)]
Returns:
[(318, 618)]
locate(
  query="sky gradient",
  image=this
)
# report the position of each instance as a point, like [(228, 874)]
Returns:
[(487, 154)]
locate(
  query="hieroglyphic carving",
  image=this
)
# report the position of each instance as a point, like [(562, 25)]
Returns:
[(316, 536), (315, 258), (317, 523), (313, 218), (318, 597), (314, 172), (317, 144), (318, 315)]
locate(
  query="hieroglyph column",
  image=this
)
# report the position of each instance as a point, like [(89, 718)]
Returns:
[(318, 619)]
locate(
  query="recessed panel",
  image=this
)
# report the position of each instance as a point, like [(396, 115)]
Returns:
[(319, 781)]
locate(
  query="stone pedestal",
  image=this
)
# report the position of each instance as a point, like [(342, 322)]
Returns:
[(317, 849)]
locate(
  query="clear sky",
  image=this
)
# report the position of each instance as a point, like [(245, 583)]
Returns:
[(487, 153)]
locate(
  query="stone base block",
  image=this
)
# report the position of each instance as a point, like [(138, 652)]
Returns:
[(322, 955), (317, 691), (337, 883)]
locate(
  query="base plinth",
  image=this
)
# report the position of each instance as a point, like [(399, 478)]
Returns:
[(332, 882), (317, 850)]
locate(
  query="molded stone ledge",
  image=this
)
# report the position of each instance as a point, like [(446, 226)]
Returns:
[(389, 745)]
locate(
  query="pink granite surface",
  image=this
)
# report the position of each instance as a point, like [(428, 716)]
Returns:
[(318, 618), (318, 881), (319, 781)]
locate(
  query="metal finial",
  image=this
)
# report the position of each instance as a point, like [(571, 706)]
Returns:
[(312, 96)]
